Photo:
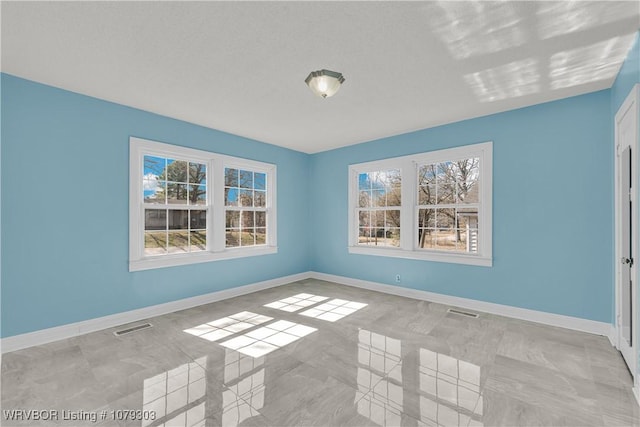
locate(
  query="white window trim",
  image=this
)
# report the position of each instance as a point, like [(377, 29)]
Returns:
[(216, 163), (408, 221)]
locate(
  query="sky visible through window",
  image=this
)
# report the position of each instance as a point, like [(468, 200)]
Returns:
[(172, 181)]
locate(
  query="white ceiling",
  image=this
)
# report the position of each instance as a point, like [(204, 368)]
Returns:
[(240, 66)]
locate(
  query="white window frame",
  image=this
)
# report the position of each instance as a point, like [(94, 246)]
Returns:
[(215, 163), (408, 166), (241, 164)]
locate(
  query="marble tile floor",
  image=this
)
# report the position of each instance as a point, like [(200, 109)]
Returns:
[(321, 354)]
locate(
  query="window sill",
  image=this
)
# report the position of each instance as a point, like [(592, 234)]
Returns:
[(196, 258), (424, 255)]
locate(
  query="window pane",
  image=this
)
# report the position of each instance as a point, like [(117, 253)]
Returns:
[(261, 219), (178, 220), (155, 192), (457, 182), (246, 198), (380, 188), (469, 194), (197, 194), (246, 179), (426, 238), (467, 172), (198, 220), (176, 171), (379, 198), (446, 239), (247, 237), (178, 241), (260, 181), (247, 220), (468, 229), (370, 233), (378, 218), (230, 177), (393, 237), (385, 237), (394, 196), (443, 173), (427, 175), (154, 166), (457, 229), (231, 197), (365, 199), (232, 238), (176, 193), (363, 182), (445, 218), (446, 183), (198, 241), (155, 242), (426, 218), (427, 195), (378, 180), (261, 236), (392, 219), (379, 234), (364, 236), (364, 219), (152, 185), (197, 173), (260, 199), (155, 219), (446, 193), (467, 217), (240, 192), (233, 219), (461, 239)]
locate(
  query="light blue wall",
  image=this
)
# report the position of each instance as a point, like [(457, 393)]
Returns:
[(553, 214), (65, 167), (552, 210)]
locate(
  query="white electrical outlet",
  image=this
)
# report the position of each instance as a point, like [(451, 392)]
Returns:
[(397, 278)]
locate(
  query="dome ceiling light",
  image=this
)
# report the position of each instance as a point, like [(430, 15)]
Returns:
[(324, 83)]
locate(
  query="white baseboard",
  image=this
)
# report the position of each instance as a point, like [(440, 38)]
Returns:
[(613, 336), (568, 322), (44, 336)]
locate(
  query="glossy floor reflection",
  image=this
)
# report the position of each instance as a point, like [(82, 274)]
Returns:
[(318, 353)]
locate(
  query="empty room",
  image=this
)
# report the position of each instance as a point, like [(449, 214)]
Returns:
[(319, 213)]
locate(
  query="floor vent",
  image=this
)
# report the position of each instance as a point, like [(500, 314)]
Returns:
[(132, 329), (463, 313)]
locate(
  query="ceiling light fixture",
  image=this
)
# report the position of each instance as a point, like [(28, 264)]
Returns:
[(324, 83)]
